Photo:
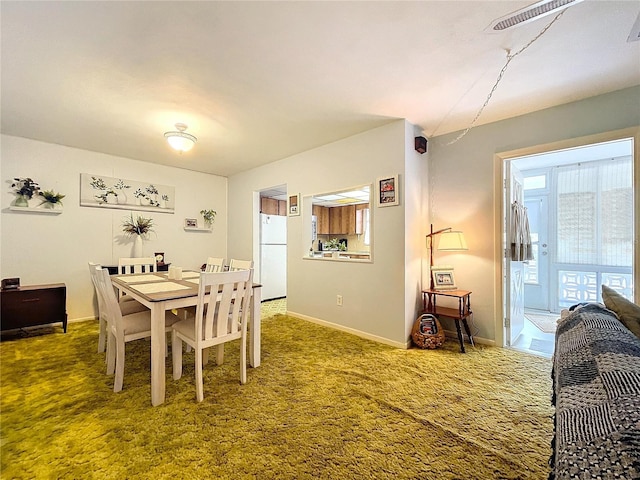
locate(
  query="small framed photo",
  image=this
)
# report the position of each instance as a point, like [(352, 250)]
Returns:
[(443, 278), (294, 205), (388, 191), (191, 223)]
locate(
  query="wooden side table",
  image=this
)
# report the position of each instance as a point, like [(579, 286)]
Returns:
[(429, 305)]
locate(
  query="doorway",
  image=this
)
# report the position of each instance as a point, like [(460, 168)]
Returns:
[(271, 268), (579, 206)]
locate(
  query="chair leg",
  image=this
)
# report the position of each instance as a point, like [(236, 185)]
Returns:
[(176, 353), (102, 335), (111, 353), (220, 354), (119, 379), (205, 356), (199, 385), (243, 360)]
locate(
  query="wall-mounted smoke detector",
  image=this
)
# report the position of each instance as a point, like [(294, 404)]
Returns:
[(530, 13)]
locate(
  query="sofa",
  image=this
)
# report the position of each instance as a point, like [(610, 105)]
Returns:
[(596, 393)]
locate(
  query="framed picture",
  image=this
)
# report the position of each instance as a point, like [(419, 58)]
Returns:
[(191, 223), (388, 191), (112, 192), (294, 205), (443, 278)]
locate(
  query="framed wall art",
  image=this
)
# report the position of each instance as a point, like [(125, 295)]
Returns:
[(387, 191), (294, 205), (190, 223), (443, 278), (108, 192)]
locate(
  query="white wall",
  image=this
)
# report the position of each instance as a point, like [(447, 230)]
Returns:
[(56, 248), (373, 293), (461, 179)]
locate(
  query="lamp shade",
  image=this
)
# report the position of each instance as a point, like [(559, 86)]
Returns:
[(180, 140), (452, 241)]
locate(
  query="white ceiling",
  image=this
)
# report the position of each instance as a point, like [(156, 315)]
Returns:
[(260, 81)]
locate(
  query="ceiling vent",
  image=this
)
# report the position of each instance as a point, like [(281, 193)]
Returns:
[(530, 13), (634, 36)]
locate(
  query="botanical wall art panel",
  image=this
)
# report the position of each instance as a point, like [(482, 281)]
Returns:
[(106, 192)]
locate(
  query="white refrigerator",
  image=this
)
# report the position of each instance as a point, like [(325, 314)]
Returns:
[(273, 256)]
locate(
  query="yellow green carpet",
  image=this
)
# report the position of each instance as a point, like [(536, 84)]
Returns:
[(323, 405)]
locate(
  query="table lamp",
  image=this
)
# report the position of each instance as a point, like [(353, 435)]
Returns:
[(450, 241)]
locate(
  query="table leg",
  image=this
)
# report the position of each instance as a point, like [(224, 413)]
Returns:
[(254, 328), (158, 339), (460, 338), (468, 330)]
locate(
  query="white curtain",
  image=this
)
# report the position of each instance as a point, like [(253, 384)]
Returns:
[(593, 223)]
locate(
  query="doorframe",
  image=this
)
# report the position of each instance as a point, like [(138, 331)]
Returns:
[(498, 196)]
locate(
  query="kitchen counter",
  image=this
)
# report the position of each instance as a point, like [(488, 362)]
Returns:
[(341, 255)]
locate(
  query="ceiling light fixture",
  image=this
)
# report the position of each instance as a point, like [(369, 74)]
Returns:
[(180, 140)]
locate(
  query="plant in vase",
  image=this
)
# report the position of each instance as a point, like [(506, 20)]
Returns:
[(51, 199), (165, 200), (121, 186), (108, 196), (209, 217), (140, 196), (140, 227), (334, 245), (25, 189)]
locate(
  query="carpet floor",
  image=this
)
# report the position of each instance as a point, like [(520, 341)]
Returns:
[(323, 405)]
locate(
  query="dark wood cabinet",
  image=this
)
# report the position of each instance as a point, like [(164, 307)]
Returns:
[(32, 305)]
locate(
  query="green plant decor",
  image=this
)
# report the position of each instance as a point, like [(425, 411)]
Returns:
[(25, 187), (334, 244), (51, 198), (209, 216), (138, 226)]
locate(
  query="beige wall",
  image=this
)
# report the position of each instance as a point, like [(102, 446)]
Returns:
[(373, 293), (56, 248), (464, 195)]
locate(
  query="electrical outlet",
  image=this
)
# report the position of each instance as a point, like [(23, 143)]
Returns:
[(339, 300)]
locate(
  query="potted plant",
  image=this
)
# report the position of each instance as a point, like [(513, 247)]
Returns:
[(51, 199), (121, 194), (333, 245), (209, 216), (25, 189), (140, 227)]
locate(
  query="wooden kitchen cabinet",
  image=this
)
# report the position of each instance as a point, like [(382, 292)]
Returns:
[(348, 220), (360, 208), (271, 206), (322, 219)]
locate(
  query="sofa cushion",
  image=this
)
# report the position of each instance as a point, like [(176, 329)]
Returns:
[(628, 312)]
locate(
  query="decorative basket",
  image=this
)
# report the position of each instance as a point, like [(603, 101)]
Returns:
[(427, 332)]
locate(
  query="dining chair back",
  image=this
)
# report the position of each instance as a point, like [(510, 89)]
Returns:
[(235, 265), (215, 326), (102, 311), (137, 265), (122, 328), (126, 304), (214, 264)]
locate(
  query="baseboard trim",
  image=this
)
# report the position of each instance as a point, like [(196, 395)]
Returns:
[(352, 331)]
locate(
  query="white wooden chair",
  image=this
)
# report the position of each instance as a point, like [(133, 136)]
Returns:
[(215, 326), (137, 265), (122, 328), (127, 306), (214, 264), (235, 265)]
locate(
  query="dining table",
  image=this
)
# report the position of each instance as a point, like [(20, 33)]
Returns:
[(160, 293)]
